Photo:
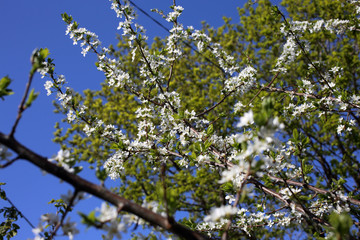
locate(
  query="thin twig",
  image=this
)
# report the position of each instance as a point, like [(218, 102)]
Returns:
[(267, 86), (313, 96), (67, 210), (21, 214), (9, 163), (22, 104), (215, 105)]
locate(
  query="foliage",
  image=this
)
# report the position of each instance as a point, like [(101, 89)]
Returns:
[(8, 228), (252, 134)]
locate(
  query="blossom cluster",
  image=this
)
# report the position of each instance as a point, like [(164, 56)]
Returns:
[(168, 133)]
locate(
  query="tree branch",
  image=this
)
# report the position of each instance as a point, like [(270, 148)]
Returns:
[(83, 185), (22, 104)]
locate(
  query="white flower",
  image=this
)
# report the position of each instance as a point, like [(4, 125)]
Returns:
[(107, 212), (183, 163), (244, 79), (229, 175), (48, 85), (203, 158), (175, 14), (247, 119), (238, 106), (114, 229), (287, 193), (340, 128), (63, 158), (82, 109), (288, 55), (69, 228), (62, 155), (220, 212), (231, 198), (71, 116), (335, 69), (183, 140), (284, 221), (50, 218), (88, 130)]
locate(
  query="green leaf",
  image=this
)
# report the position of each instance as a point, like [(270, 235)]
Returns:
[(4, 83), (304, 197), (210, 130), (89, 220), (193, 156), (227, 187), (341, 181), (308, 169), (32, 96), (207, 144), (295, 135), (68, 19), (37, 59), (2, 195), (341, 223), (44, 53)]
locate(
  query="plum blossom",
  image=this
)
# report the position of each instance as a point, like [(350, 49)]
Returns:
[(64, 159), (220, 212), (114, 229), (107, 212), (50, 218), (69, 228), (88, 130), (289, 54), (232, 174), (172, 16), (230, 198), (71, 116), (247, 119), (48, 85), (340, 128)]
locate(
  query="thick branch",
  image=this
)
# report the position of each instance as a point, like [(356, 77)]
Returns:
[(83, 185)]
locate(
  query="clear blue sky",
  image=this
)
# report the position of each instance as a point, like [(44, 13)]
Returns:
[(26, 25)]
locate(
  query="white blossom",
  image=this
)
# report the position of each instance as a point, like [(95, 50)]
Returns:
[(340, 128), (64, 159), (220, 212), (107, 212), (48, 85), (288, 55), (69, 228), (50, 218), (230, 198), (71, 116), (88, 130), (247, 119)]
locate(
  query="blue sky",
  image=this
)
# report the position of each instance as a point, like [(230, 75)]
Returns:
[(26, 25)]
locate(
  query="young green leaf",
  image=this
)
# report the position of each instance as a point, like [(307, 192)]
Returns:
[(32, 96)]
